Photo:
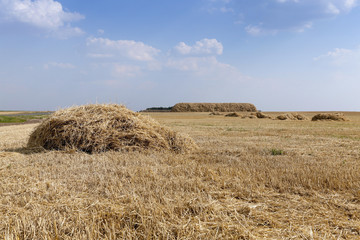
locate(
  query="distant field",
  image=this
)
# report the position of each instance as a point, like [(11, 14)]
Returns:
[(7, 112), (20, 117), (250, 179)]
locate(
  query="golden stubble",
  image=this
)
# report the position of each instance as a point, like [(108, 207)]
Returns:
[(233, 187)]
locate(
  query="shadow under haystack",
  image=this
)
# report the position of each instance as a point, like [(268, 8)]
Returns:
[(234, 114), (106, 127), (262, 115), (215, 114)]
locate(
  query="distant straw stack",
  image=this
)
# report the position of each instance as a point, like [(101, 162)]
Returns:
[(213, 107), (292, 116), (329, 116)]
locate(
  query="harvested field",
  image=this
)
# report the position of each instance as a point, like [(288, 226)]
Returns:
[(329, 116), (249, 179), (214, 107), (105, 127)]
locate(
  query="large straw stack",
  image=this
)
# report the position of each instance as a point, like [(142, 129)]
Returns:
[(104, 127)]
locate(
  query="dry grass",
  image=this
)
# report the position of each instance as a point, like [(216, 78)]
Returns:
[(104, 127), (213, 107), (232, 188)]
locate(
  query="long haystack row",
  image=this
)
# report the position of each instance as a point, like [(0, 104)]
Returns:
[(104, 127), (214, 107)]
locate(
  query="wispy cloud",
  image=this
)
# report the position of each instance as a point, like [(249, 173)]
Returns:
[(349, 4), (121, 70), (100, 55), (130, 59), (100, 31), (59, 65), (267, 17), (121, 48), (336, 53), (341, 57), (44, 14), (254, 30), (204, 46), (199, 65), (341, 67)]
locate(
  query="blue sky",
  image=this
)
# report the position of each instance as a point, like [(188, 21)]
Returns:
[(281, 55)]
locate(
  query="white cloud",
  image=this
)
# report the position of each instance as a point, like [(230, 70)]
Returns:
[(336, 53), (123, 48), (332, 9), (204, 46), (204, 73), (59, 65), (130, 63), (267, 17), (123, 58), (183, 48), (226, 10), (258, 30), (349, 4), (126, 70), (224, 1), (100, 55), (186, 64), (283, 1), (341, 68), (198, 60), (67, 32), (219, 6), (253, 30), (196, 64), (304, 27), (43, 14), (341, 57), (334, 5), (329, 6)]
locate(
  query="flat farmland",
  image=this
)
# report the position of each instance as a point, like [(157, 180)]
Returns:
[(249, 179), (9, 112)]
